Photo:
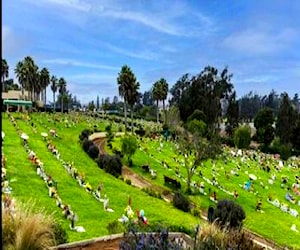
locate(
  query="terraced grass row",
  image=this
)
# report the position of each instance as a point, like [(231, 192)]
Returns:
[(270, 224), (90, 212)]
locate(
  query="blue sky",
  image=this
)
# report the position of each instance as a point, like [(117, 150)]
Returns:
[(88, 41)]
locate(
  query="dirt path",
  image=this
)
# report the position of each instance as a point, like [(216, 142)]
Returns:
[(100, 143)]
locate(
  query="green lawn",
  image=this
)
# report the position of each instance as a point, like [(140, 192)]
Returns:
[(90, 211)]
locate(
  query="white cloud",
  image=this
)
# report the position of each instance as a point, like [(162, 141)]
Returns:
[(93, 78), (71, 62), (258, 42), (146, 55), (11, 45), (70, 4)]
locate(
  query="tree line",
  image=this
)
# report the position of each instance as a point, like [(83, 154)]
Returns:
[(35, 81)]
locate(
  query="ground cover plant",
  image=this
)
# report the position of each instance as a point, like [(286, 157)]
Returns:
[(90, 212)]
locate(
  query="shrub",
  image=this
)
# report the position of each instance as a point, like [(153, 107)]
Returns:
[(85, 134), (86, 144), (111, 164), (93, 151), (115, 227), (198, 115), (242, 137), (228, 141), (152, 193), (128, 181), (211, 237), (229, 214), (129, 146), (181, 201), (28, 229), (239, 240), (285, 151), (150, 241), (196, 212), (60, 234)]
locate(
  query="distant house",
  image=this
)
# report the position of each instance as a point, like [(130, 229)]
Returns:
[(15, 95), (13, 100)]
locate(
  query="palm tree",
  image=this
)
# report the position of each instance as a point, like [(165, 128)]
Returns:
[(164, 89), (126, 81), (132, 97), (32, 76), (156, 97), (45, 81), (62, 88), (54, 89), (21, 75), (4, 72), (160, 93)]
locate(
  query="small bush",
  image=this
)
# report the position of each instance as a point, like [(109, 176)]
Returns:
[(152, 193), (149, 241), (128, 181), (85, 134), (86, 144), (115, 227), (242, 137), (181, 201), (93, 151), (60, 234), (229, 214), (196, 212), (111, 164)]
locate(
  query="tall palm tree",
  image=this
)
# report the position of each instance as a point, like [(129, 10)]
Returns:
[(159, 93), (32, 76), (4, 72), (126, 80), (45, 81), (62, 88), (132, 97), (54, 89), (21, 75), (156, 97), (164, 89)]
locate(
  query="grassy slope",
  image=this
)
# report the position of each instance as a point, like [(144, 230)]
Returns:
[(273, 224), (90, 212)]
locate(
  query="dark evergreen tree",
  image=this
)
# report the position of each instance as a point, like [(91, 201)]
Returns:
[(232, 114), (286, 120)]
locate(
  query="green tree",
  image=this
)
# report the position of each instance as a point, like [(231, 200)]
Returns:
[(129, 146), (159, 93), (195, 150), (156, 97), (28, 76), (21, 75), (32, 76), (126, 84), (132, 99), (286, 120), (242, 137), (54, 86), (62, 89), (44, 81), (296, 135), (205, 92), (263, 122), (4, 72), (232, 114), (91, 106)]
